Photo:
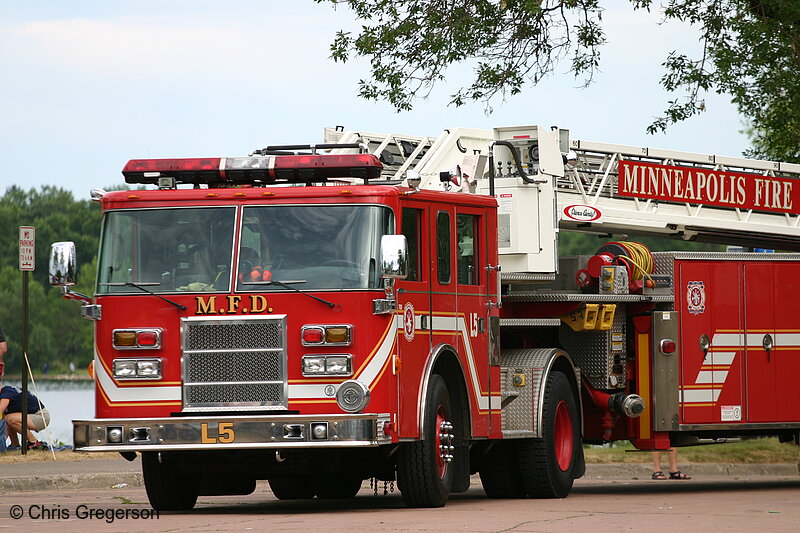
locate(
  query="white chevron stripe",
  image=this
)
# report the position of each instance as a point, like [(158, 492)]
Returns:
[(132, 394)]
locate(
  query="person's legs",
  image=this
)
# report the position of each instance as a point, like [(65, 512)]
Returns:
[(656, 461), (13, 426), (673, 460), (657, 473), (14, 423)]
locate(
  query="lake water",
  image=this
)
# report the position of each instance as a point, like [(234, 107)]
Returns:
[(66, 400)]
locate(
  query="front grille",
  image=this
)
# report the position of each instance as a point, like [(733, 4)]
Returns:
[(234, 363)]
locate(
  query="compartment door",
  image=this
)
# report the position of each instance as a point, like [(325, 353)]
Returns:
[(773, 341), (708, 294)]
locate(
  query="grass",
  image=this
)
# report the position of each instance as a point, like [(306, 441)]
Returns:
[(761, 450)]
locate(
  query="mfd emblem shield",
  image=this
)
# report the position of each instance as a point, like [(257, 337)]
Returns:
[(696, 297)]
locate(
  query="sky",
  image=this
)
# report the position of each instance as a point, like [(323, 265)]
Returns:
[(89, 84)]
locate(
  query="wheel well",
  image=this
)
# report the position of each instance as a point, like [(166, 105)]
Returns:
[(563, 365), (449, 368)]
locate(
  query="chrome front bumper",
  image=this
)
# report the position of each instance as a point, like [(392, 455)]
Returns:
[(227, 432)]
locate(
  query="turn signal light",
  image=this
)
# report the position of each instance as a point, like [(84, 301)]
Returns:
[(338, 335), (136, 339)]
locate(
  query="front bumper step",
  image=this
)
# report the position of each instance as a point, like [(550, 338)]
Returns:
[(226, 432)]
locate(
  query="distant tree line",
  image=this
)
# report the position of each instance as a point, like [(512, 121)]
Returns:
[(57, 335)]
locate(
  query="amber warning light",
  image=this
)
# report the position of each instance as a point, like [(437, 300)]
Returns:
[(253, 169)]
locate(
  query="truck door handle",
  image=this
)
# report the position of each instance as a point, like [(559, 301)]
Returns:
[(768, 344)]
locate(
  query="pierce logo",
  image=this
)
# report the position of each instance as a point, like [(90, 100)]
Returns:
[(582, 213)]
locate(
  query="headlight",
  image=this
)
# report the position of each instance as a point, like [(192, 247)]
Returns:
[(338, 365), (327, 365), (137, 368), (124, 368), (313, 366)]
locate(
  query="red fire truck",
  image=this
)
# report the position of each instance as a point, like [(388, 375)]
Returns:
[(395, 308)]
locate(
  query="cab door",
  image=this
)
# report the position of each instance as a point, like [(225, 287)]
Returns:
[(414, 315), (473, 311), (444, 319)]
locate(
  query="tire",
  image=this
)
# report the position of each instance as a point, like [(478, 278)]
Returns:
[(499, 473), (424, 476), (336, 485), (292, 488), (221, 485), (168, 489), (549, 465)]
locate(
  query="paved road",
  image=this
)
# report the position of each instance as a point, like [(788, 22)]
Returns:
[(609, 505)]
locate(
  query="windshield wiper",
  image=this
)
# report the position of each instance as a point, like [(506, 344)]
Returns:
[(141, 286), (285, 285)]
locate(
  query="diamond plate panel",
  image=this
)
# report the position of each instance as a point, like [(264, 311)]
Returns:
[(599, 354), (519, 413)]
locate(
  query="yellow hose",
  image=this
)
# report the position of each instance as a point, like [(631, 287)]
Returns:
[(641, 257)]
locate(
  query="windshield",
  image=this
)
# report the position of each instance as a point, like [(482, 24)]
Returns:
[(316, 246), (166, 250)]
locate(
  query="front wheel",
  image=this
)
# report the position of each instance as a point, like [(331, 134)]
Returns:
[(549, 465), (168, 489), (336, 485), (425, 468), (296, 487)]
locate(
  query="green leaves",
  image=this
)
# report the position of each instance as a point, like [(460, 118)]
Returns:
[(751, 51), (411, 43), (57, 333)]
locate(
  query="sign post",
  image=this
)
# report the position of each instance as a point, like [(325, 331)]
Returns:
[(27, 262)]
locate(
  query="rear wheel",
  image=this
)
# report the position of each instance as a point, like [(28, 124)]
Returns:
[(499, 473), (168, 489), (291, 488), (550, 464), (424, 468)]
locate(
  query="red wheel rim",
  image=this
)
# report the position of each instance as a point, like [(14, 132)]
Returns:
[(440, 462), (562, 436)]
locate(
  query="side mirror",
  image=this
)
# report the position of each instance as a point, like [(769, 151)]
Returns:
[(62, 264), (394, 257)]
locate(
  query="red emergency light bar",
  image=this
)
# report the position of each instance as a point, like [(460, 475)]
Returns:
[(254, 169)]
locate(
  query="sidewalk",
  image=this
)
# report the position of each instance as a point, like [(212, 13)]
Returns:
[(115, 471)]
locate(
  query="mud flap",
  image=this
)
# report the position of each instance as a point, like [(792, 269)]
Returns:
[(461, 472), (580, 463)]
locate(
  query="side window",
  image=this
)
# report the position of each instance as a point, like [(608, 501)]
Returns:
[(467, 226), (443, 246), (410, 228)]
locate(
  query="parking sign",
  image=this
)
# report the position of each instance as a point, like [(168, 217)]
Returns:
[(27, 248)]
